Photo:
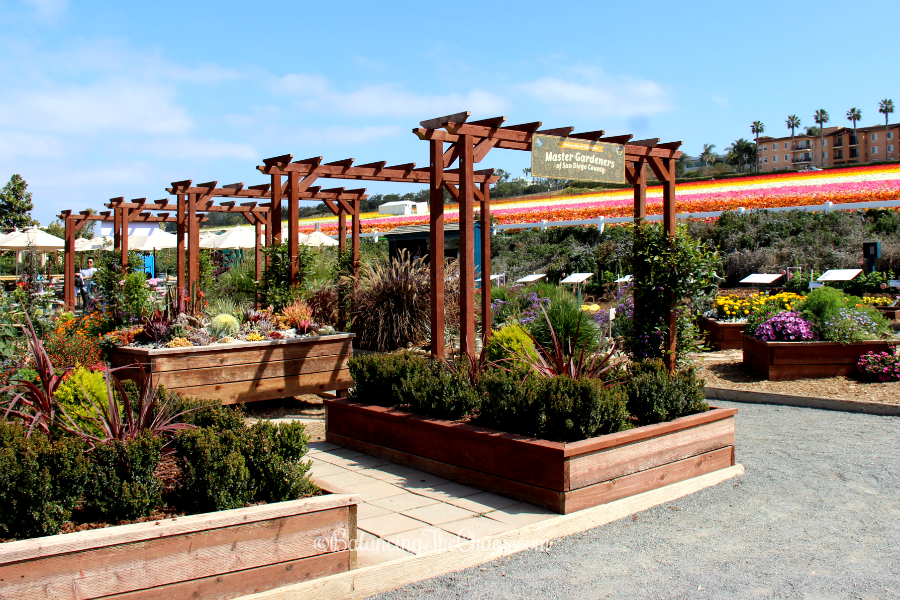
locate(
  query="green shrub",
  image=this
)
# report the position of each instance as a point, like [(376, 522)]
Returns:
[(509, 341), (439, 391), (211, 415), (551, 408), (654, 397), (40, 482), (214, 472), (377, 377), (223, 326), (122, 485), (274, 456), (573, 327), (71, 396), (821, 304)]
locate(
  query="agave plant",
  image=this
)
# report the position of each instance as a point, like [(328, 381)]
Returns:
[(157, 326), (562, 360)]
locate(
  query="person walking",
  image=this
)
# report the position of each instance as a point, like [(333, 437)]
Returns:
[(84, 289)]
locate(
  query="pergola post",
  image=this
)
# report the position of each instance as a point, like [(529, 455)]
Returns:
[(485, 263), (180, 233), (275, 210), (436, 250), (193, 247), (671, 341), (293, 224), (356, 228), (69, 262), (466, 247), (124, 218)]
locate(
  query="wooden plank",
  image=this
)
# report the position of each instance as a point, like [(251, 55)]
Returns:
[(311, 340), (249, 581), (268, 389), (603, 465), (186, 378), (651, 479), (528, 463), (140, 565), (832, 354), (122, 534), (518, 490)]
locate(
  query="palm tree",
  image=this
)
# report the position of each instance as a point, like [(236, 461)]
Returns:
[(821, 118), (757, 128), (738, 152), (854, 114), (793, 122), (886, 107), (707, 155)]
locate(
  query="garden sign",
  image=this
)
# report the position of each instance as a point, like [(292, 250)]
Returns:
[(584, 160)]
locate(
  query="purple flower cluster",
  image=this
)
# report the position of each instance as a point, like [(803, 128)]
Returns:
[(883, 366), (786, 327)]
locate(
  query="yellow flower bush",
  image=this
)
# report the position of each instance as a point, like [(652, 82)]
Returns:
[(878, 301), (735, 308)]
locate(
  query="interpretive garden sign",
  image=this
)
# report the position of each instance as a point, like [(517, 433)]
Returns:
[(566, 158)]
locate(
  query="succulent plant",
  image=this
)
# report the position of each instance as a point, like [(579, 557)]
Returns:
[(265, 326), (225, 340), (198, 337), (297, 314), (223, 326), (179, 342), (275, 335), (157, 326), (254, 337)]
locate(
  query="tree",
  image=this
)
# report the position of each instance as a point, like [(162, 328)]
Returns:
[(886, 107), (821, 118), (708, 156), (854, 114), (739, 152), (813, 131), (757, 128), (793, 122), (15, 204)]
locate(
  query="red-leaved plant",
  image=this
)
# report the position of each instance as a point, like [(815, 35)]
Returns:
[(574, 363)]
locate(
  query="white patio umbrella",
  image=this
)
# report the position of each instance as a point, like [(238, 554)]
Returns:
[(317, 238), (157, 240), (234, 239), (33, 239), (98, 243)]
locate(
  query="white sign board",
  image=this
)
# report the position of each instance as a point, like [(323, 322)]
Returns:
[(839, 275), (625, 279), (493, 277), (895, 283), (531, 278), (762, 278), (815, 284), (577, 278)]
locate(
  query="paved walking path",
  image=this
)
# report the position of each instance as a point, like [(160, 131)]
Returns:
[(816, 516), (405, 511)]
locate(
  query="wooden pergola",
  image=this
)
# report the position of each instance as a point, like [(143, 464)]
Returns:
[(301, 174), (469, 143)]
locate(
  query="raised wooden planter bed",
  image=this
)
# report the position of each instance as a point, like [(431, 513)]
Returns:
[(217, 555), (889, 312), (782, 361), (248, 371), (722, 336), (561, 477)]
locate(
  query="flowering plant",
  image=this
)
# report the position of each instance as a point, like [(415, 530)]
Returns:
[(853, 324), (883, 366), (786, 327)]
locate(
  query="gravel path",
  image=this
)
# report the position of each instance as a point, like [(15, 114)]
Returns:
[(816, 516)]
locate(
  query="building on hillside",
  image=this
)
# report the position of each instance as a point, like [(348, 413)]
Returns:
[(403, 207), (841, 147)]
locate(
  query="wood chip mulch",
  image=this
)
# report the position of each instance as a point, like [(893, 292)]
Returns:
[(725, 370)]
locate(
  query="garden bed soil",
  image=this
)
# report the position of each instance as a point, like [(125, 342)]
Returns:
[(720, 335), (780, 361), (563, 477), (216, 555), (247, 371), (727, 370)]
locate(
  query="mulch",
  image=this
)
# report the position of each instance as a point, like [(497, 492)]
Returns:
[(725, 370)]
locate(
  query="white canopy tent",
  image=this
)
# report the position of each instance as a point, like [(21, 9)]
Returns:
[(317, 238), (34, 239), (234, 239)]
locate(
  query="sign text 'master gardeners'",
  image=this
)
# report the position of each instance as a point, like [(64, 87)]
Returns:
[(565, 158)]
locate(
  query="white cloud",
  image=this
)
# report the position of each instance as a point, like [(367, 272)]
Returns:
[(15, 144), (341, 136), (49, 10), (119, 105), (720, 100), (189, 148), (600, 94), (316, 92)]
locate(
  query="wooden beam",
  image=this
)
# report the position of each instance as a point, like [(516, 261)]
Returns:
[(347, 162), (559, 131), (501, 133), (485, 264), (279, 161), (439, 122), (293, 226), (588, 135), (436, 250), (482, 148), (466, 247), (616, 139), (525, 127), (452, 189), (492, 122)]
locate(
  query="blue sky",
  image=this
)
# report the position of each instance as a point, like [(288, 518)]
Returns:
[(103, 99)]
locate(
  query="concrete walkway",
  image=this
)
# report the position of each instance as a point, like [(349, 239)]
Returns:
[(405, 512)]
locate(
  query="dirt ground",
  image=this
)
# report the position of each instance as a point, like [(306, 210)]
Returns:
[(724, 369)]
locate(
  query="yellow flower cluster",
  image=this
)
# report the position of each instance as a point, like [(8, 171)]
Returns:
[(590, 307), (255, 337), (878, 300), (179, 342), (735, 308)]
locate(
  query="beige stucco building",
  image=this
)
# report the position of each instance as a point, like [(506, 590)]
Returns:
[(841, 147)]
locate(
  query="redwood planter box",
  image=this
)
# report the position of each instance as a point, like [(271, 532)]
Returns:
[(216, 555), (889, 312), (248, 371), (782, 361), (722, 336), (561, 477)]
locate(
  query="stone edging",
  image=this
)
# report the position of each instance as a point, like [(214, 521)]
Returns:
[(857, 406)]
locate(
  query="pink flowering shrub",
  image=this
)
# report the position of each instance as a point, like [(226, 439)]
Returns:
[(883, 366), (786, 327)]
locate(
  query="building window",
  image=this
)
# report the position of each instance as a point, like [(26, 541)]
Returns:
[(775, 158), (874, 137), (774, 146), (824, 155), (766, 147), (824, 143), (890, 147), (874, 149), (766, 159), (890, 135), (787, 157)]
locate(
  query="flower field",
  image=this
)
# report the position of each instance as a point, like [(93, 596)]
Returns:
[(771, 190)]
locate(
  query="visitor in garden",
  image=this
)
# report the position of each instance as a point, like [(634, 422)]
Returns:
[(83, 283)]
